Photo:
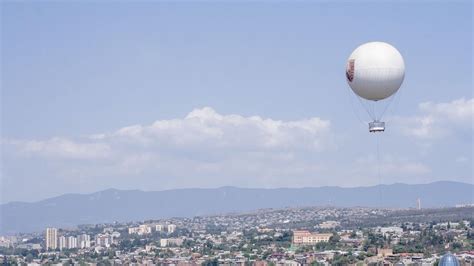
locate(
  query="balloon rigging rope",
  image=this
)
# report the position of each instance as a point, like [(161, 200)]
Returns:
[(366, 108), (378, 168), (374, 104), (354, 110), (390, 101)]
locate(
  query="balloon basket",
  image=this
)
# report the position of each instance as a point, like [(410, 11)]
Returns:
[(376, 126)]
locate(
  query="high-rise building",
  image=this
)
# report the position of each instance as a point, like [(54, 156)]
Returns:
[(103, 240), (71, 242), (51, 238), (171, 228), (159, 227), (84, 241), (62, 242), (418, 203), (143, 229)]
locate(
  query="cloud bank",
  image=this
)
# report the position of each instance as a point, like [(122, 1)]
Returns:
[(202, 130), (438, 120), (209, 149)]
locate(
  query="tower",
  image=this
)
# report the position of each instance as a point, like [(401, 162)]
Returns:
[(51, 238)]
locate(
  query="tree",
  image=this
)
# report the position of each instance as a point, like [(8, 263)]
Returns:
[(457, 245), (334, 239), (29, 257), (212, 262), (353, 234)]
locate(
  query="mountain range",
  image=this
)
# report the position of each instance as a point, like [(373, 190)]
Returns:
[(135, 205)]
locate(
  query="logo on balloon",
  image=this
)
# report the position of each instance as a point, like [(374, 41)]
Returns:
[(350, 70)]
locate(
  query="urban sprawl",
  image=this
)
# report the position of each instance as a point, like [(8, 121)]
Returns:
[(292, 236)]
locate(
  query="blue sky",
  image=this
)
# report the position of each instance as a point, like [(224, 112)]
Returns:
[(159, 95)]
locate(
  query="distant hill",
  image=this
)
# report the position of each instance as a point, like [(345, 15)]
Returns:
[(132, 205)]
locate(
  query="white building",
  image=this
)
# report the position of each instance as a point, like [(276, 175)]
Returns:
[(159, 227), (329, 224), (115, 235), (62, 242), (391, 230), (51, 238), (447, 224), (133, 230), (171, 228), (165, 242), (71, 242), (143, 229), (103, 240), (84, 241), (7, 241)]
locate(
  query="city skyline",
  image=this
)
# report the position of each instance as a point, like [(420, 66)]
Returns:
[(289, 236), (157, 96)]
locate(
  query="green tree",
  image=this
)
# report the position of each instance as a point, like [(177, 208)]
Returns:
[(29, 257)]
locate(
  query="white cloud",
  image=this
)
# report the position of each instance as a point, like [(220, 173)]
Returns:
[(204, 143), (438, 120), (201, 130), (206, 129), (60, 148), (459, 111)]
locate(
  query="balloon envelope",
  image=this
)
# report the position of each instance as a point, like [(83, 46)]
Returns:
[(375, 70)]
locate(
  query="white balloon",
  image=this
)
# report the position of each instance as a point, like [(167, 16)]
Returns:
[(375, 70)]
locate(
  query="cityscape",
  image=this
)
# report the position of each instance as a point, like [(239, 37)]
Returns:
[(291, 236)]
